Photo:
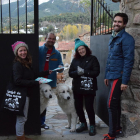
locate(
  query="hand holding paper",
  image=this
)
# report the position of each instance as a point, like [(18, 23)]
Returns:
[(60, 68), (43, 80), (50, 71)]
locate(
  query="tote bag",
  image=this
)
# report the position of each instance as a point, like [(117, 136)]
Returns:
[(14, 100)]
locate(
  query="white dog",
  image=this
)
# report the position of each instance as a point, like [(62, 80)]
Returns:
[(45, 94), (66, 102)]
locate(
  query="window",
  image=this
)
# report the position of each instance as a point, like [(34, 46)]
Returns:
[(64, 56)]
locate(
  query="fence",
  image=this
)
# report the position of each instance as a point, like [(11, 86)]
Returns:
[(12, 24), (101, 18)]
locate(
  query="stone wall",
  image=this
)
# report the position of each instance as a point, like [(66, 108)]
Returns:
[(131, 97)]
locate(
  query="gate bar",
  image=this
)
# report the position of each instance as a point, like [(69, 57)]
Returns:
[(91, 22), (1, 18), (18, 14), (104, 8), (26, 15), (10, 16)]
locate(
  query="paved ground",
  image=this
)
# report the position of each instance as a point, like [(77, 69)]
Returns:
[(57, 121)]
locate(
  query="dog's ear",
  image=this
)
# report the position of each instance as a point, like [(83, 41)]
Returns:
[(55, 91)]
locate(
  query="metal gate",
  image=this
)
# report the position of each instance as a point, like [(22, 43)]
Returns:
[(99, 47), (101, 29), (7, 121)]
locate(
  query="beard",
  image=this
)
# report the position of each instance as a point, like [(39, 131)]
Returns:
[(49, 44), (119, 28)]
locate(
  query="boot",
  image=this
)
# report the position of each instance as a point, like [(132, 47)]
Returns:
[(21, 137), (119, 133), (27, 138), (82, 127), (92, 130)]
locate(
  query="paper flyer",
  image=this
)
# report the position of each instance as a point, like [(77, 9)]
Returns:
[(43, 80), (58, 69)]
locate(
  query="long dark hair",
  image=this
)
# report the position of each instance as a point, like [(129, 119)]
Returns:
[(88, 52), (27, 62)]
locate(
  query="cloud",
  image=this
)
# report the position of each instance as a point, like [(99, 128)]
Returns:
[(42, 1)]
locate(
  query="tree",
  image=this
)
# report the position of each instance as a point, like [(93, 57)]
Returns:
[(86, 4), (50, 28)]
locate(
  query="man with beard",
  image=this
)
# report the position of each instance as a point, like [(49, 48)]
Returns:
[(49, 59), (118, 70)]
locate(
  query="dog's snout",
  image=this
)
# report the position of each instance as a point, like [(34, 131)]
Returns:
[(68, 98), (50, 96)]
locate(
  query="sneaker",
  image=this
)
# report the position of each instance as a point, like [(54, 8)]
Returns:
[(119, 133), (45, 126), (92, 131), (107, 137), (82, 127)]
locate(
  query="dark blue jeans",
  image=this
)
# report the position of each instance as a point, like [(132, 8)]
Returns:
[(43, 117), (114, 106)]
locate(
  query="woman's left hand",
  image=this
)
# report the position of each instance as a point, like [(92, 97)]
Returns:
[(80, 71)]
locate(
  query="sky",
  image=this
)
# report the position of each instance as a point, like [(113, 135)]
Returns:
[(7, 1)]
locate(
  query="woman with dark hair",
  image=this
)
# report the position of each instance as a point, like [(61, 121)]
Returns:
[(84, 69), (23, 77)]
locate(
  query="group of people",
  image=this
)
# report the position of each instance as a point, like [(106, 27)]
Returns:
[(84, 70)]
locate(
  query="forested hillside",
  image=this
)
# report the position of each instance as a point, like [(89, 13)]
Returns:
[(71, 18)]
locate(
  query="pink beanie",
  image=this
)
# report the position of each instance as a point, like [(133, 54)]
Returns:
[(17, 45)]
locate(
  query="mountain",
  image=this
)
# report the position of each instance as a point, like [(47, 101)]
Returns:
[(39, 1), (13, 6), (47, 7), (58, 7), (50, 7)]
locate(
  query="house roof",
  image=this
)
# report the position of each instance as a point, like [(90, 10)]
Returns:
[(65, 46), (106, 31), (41, 43), (84, 34)]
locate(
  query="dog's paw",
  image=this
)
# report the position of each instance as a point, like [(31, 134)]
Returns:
[(67, 127), (72, 130)]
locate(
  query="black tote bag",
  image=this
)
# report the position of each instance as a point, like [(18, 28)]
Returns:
[(14, 100)]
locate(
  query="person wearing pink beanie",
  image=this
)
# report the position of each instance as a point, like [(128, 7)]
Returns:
[(24, 77)]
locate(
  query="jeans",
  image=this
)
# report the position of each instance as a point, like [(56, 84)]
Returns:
[(20, 121), (43, 117)]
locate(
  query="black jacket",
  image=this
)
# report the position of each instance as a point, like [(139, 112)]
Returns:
[(87, 83), (25, 77)]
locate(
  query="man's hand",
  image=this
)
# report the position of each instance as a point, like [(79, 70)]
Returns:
[(60, 66), (123, 87), (50, 71), (106, 82)]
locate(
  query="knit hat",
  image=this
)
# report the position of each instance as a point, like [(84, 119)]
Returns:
[(17, 45), (79, 43)]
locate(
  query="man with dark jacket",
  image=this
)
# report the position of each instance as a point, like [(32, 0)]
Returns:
[(118, 70), (49, 59)]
